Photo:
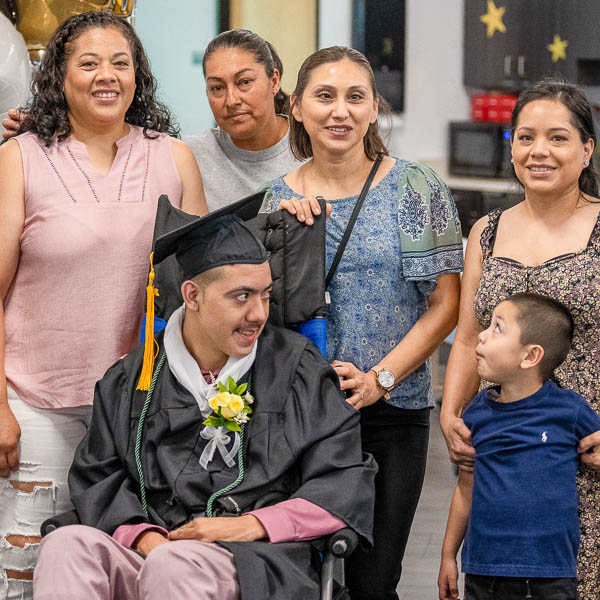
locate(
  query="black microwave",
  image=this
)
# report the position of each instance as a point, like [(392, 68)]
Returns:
[(479, 149)]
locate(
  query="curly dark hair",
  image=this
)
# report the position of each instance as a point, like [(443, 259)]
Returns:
[(582, 119), (263, 52), (47, 111)]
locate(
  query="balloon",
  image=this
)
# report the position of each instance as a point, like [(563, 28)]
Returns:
[(37, 19), (15, 69)]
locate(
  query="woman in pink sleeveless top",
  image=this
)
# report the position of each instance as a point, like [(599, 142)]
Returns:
[(78, 194)]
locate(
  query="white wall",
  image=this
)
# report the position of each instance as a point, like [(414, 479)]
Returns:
[(335, 23), (175, 35), (434, 93)]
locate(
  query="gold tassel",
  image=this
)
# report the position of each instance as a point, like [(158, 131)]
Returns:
[(149, 342)]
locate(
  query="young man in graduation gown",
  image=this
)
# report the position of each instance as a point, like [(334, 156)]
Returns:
[(186, 493)]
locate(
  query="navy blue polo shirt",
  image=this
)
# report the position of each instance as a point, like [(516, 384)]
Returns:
[(523, 520)]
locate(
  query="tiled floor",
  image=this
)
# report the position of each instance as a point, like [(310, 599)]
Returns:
[(421, 562)]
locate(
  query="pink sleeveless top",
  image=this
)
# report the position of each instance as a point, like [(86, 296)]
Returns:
[(77, 299)]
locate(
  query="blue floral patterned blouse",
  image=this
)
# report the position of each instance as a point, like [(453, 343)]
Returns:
[(373, 304)]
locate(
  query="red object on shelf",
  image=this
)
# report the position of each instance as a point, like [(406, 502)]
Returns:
[(492, 107)]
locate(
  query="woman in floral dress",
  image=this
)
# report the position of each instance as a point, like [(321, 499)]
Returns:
[(548, 244), (395, 293)]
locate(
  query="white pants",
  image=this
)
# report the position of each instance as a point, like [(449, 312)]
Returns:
[(46, 448)]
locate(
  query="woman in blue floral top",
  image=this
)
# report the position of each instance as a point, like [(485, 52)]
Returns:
[(394, 297)]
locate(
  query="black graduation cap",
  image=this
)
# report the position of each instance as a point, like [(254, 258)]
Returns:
[(199, 244), (217, 239)]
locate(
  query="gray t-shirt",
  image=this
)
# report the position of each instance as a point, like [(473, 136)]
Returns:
[(230, 173)]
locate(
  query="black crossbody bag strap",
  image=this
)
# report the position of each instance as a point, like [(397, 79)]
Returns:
[(353, 217)]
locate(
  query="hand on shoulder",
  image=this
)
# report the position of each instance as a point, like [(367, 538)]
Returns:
[(589, 448), (304, 208), (12, 123)]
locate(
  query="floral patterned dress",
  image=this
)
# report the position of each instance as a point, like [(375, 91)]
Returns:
[(574, 280)]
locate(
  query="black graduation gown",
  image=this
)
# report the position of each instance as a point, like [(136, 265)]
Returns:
[(303, 441)]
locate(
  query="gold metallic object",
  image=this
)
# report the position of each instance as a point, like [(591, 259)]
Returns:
[(37, 19), (122, 8)]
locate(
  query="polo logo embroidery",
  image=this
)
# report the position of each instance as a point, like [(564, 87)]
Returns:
[(544, 437)]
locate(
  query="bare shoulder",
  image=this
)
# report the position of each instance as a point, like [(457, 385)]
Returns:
[(193, 200), (11, 170), (185, 161), (181, 151), (10, 151), (179, 145), (477, 229), (474, 253)]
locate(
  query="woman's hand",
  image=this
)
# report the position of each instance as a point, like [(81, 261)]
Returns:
[(10, 433), (458, 440), (364, 386), (12, 123), (589, 448), (304, 208)]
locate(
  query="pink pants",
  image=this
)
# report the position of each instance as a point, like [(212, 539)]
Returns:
[(78, 562)]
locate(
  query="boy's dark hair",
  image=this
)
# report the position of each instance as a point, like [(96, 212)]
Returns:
[(547, 323)]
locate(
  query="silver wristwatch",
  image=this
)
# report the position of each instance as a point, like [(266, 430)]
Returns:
[(385, 379)]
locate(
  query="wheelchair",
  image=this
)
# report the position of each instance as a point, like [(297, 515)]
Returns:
[(298, 297)]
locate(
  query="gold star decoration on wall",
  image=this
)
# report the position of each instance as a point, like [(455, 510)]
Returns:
[(493, 18), (558, 48)]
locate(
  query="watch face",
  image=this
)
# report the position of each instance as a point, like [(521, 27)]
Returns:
[(386, 378)]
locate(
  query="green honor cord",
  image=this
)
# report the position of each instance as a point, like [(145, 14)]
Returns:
[(240, 456), (138, 446), (138, 437)]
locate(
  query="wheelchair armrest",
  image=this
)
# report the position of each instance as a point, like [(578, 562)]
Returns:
[(339, 545), (67, 518), (342, 543)]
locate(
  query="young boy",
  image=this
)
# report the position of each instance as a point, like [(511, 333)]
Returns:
[(522, 534)]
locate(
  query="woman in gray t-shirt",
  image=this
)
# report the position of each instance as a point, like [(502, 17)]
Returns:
[(250, 146)]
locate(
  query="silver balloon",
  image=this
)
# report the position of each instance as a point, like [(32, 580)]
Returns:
[(15, 69)]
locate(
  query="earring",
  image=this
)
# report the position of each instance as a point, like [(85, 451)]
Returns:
[(586, 163), (512, 160)]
